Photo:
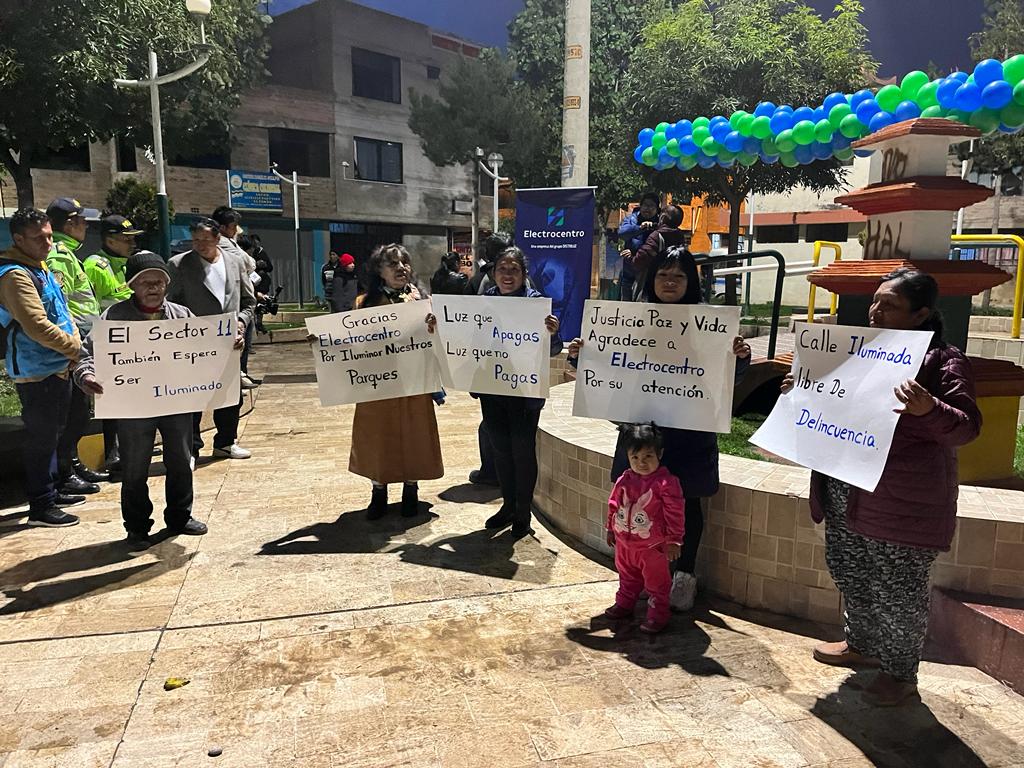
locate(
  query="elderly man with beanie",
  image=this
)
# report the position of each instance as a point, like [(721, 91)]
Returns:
[(68, 219), (147, 276), (345, 284)]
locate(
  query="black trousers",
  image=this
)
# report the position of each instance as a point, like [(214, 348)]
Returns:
[(79, 413), (136, 438), (691, 539), (486, 452), (512, 428), (226, 421), (44, 411)]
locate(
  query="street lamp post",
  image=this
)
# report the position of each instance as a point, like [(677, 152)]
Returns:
[(495, 161), (294, 181), (199, 9)]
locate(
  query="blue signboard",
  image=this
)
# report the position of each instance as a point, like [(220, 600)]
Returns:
[(254, 191)]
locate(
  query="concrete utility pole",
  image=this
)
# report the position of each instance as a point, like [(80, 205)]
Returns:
[(576, 96)]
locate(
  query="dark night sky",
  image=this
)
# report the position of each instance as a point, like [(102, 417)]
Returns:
[(905, 34)]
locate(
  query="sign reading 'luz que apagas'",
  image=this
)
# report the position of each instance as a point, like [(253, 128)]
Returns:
[(164, 367), (839, 417)]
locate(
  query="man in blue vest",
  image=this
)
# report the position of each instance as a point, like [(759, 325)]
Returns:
[(41, 344)]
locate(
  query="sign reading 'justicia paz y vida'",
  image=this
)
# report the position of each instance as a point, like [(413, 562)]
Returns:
[(840, 416), (164, 367)]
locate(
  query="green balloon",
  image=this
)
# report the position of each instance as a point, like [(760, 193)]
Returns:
[(710, 147), (851, 127), (785, 141), (928, 95), (650, 156), (762, 127), (912, 83), (700, 122), (803, 132), (823, 131), (1012, 115), (1013, 69), (889, 97), (700, 134), (734, 120), (746, 158), (959, 115), (837, 113), (846, 153), (658, 140), (661, 127), (985, 120), (725, 154), (788, 160), (673, 147), (746, 125), (1018, 92), (688, 162), (933, 111), (769, 146)]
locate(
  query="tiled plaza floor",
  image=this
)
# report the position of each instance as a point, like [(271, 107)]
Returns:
[(313, 637)]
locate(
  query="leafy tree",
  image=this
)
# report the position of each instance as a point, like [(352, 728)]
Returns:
[(136, 200), (709, 57), (57, 66)]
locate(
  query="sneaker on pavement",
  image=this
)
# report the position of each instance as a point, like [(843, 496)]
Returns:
[(68, 500), (192, 528), (54, 517), (840, 654), (233, 451), (137, 542), (684, 591), (248, 383), (73, 484)]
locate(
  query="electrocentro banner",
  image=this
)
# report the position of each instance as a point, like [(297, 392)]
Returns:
[(555, 228), (254, 191)]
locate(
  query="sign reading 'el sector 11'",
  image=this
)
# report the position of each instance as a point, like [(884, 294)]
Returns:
[(668, 363), (374, 354), (164, 367), (494, 345), (839, 417)]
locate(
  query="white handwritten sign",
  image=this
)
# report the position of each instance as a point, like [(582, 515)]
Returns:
[(839, 418), (494, 345), (668, 363), (163, 367), (374, 354)]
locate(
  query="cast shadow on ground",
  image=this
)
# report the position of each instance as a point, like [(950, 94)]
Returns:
[(42, 571), (468, 493), (484, 553)]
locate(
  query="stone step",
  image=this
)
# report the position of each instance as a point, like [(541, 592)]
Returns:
[(282, 335), (982, 631)]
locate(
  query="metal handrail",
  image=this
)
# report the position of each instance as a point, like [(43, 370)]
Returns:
[(1018, 290), (780, 275), (834, 305)]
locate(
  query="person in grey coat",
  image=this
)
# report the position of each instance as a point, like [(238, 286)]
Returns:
[(211, 281), (147, 276)]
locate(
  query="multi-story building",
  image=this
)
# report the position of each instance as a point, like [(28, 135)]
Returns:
[(335, 109)]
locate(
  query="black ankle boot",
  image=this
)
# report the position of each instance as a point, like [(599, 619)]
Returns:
[(378, 504), (89, 475), (410, 501), (500, 519)]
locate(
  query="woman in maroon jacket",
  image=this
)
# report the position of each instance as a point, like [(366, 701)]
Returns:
[(880, 545)]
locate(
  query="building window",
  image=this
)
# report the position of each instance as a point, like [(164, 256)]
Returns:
[(126, 155), (74, 158), (376, 76), (779, 233), (835, 233), (433, 73), (378, 160), (305, 152)]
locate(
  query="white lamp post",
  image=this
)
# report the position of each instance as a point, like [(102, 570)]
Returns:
[(495, 161), (199, 9), (294, 181)]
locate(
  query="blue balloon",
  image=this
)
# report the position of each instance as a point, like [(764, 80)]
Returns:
[(834, 100), (997, 95), (820, 114), (765, 109), (907, 110), (684, 128), (726, 163), (717, 120), (803, 113), (687, 146), (804, 154), (638, 154), (946, 94), (781, 121), (664, 157), (960, 77), (987, 71), (769, 159), (821, 151), (734, 141), (867, 109), (859, 97), (706, 162), (840, 142), (880, 121), (645, 136), (670, 132), (720, 131), (751, 145), (968, 97), (784, 108), (863, 152), (1004, 128), (664, 166)]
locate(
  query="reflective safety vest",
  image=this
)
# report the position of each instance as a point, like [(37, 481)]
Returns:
[(106, 273), (73, 281), (28, 359)]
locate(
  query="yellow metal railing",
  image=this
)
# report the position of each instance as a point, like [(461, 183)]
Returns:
[(1018, 290), (818, 245)]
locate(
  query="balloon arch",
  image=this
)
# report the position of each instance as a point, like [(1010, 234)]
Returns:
[(991, 99)]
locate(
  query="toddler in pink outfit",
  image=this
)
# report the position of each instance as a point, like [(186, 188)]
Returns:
[(645, 525)]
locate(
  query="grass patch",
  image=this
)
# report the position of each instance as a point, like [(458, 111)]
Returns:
[(10, 405), (1018, 454), (282, 326), (991, 311), (736, 443)]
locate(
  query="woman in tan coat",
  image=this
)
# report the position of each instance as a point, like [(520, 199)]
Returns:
[(394, 441)]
